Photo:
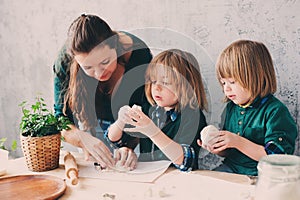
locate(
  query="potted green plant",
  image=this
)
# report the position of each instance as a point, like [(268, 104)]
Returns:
[(41, 135)]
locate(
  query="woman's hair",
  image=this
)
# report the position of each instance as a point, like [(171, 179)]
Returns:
[(85, 33), (183, 71), (250, 64)]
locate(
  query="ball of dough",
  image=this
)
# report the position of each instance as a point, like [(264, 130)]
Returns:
[(120, 168), (209, 132), (137, 107)]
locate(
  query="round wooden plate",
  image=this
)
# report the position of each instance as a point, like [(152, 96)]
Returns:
[(31, 187)]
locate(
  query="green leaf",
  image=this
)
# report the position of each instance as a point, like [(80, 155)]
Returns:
[(25, 112), (2, 141), (14, 145), (22, 104)]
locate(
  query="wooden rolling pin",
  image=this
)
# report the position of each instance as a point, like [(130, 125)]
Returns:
[(71, 168)]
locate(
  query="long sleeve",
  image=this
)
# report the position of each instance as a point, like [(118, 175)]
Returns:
[(61, 82)]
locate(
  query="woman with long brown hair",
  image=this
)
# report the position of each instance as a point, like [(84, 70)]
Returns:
[(90, 82)]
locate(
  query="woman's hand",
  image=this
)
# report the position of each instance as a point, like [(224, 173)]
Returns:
[(93, 148), (126, 158), (96, 148)]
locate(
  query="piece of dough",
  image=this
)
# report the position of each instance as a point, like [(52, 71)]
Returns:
[(120, 168), (136, 106), (209, 132)]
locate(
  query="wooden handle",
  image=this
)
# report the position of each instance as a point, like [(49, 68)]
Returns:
[(71, 168)]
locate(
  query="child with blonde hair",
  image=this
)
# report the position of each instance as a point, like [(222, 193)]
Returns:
[(256, 122), (168, 125)]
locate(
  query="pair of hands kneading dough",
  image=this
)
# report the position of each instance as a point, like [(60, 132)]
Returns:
[(207, 134), (126, 160)]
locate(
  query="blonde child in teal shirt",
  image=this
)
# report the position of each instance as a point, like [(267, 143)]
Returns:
[(169, 123), (256, 122)]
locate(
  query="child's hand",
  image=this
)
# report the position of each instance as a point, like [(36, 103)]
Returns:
[(205, 146), (138, 117), (123, 117), (142, 123), (225, 140)]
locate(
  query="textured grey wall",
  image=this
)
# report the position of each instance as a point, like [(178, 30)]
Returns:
[(32, 32)]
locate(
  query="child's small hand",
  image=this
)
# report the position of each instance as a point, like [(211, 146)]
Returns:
[(142, 123), (225, 140), (138, 117), (205, 146), (123, 117)]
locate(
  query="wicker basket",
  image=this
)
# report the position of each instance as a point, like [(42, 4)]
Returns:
[(41, 153)]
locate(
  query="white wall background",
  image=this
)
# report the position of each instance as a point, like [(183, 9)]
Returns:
[(32, 32)]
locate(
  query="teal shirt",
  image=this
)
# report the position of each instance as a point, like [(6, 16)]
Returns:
[(266, 120), (184, 129)]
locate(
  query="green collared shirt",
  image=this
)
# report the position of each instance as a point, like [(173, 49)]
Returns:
[(182, 127), (266, 119)]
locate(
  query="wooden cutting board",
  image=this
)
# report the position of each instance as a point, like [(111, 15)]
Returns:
[(31, 187)]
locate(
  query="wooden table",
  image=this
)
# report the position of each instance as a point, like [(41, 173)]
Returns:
[(173, 184)]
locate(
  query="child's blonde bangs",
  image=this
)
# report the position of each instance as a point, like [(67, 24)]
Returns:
[(152, 74), (224, 67), (250, 64), (181, 69), (170, 72), (231, 64)]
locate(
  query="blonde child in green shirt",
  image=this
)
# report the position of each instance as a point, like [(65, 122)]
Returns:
[(256, 122)]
